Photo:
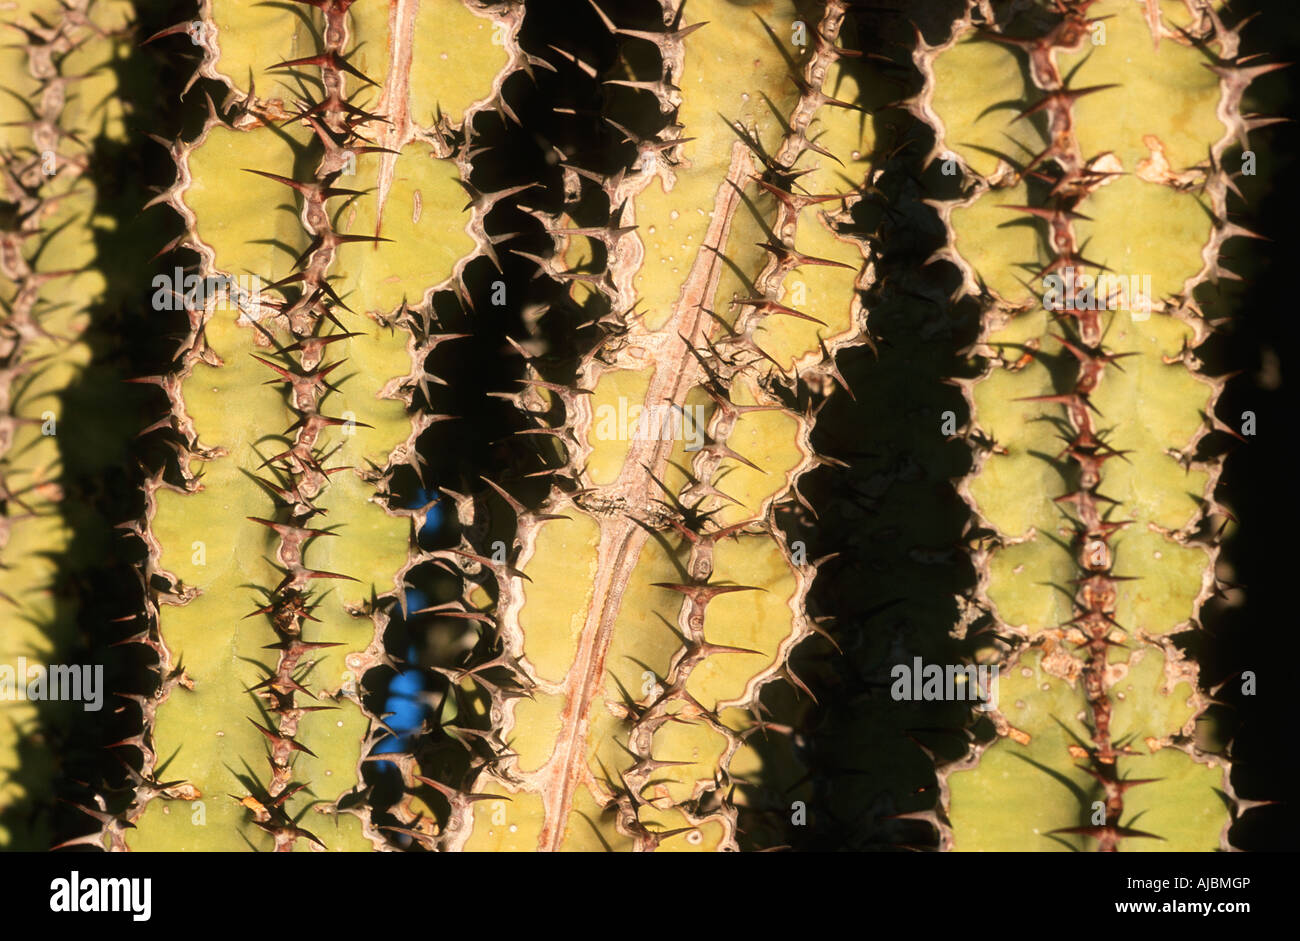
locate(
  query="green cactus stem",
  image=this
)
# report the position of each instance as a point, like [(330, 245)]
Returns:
[(334, 174), (1093, 138), (641, 612)]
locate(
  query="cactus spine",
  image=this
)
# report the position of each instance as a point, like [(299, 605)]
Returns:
[(1102, 522)]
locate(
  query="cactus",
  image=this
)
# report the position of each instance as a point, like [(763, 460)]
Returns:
[(508, 383), (1095, 146), (324, 199)]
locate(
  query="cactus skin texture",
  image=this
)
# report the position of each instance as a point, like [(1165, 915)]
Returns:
[(1101, 523), (332, 172), (62, 102), (643, 608)]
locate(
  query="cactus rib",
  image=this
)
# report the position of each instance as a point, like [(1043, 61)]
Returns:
[(1096, 693), (311, 470)]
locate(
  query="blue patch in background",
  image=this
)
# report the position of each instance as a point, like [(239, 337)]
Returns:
[(433, 517), (404, 705)]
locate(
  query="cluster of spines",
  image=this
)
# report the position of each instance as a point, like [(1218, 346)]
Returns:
[(1071, 177)]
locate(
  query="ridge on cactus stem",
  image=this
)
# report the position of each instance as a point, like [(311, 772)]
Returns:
[(1095, 399), (324, 178)]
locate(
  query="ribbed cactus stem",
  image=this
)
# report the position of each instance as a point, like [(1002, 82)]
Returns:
[(335, 178), (1089, 329), (641, 614)]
